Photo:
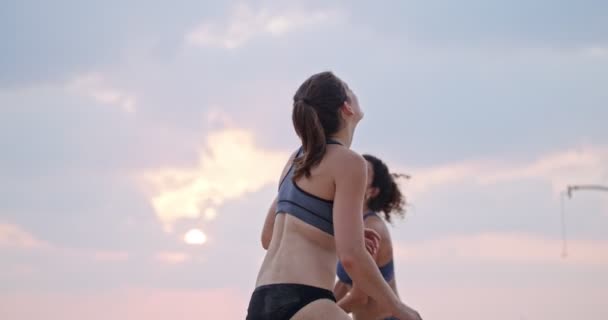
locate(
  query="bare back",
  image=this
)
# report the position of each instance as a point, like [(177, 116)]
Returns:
[(299, 252)]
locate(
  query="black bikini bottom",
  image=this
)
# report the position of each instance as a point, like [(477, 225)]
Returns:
[(283, 300)]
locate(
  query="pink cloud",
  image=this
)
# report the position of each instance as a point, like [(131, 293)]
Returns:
[(524, 302), (172, 257), (12, 236), (127, 304), (110, 256), (571, 166), (516, 248)]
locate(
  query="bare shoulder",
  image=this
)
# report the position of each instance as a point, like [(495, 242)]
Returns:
[(379, 225), (346, 161)]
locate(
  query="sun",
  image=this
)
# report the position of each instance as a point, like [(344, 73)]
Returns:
[(195, 237)]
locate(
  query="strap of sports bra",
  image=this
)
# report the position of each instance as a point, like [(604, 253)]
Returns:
[(332, 141), (388, 271), (369, 214), (290, 167), (300, 151)]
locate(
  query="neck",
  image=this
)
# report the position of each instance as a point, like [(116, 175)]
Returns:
[(344, 136)]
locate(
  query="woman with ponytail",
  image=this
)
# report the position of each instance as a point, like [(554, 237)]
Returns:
[(315, 218), (382, 197)]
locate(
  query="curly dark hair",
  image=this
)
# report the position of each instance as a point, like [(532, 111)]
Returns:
[(389, 200)]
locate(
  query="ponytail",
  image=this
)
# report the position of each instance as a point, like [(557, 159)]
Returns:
[(310, 130), (316, 116)]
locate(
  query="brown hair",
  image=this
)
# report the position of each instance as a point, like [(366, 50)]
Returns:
[(316, 116)]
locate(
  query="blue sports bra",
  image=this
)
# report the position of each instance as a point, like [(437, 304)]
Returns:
[(307, 207), (387, 270)]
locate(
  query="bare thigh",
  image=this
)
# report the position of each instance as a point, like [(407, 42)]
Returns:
[(321, 309)]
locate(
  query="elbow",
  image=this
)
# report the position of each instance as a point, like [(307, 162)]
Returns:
[(348, 260), (266, 241)]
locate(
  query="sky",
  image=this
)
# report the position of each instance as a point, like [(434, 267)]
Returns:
[(142, 142)]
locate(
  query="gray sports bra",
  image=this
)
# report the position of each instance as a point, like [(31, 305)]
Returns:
[(303, 205)]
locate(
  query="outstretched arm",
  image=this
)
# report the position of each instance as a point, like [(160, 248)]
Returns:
[(346, 296), (350, 179), (350, 182), (349, 297)]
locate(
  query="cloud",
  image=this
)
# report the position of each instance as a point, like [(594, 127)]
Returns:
[(126, 303), (517, 248), (110, 256), (230, 166), (12, 236), (172, 257), (595, 52), (582, 165), (535, 300), (95, 86), (245, 24), (497, 24), (568, 167)]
